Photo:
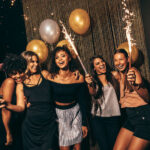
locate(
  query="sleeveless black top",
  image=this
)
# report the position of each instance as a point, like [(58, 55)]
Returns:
[(39, 93)]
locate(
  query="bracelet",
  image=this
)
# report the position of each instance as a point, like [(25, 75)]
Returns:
[(137, 86)]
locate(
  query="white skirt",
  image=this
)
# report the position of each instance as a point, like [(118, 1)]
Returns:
[(70, 125)]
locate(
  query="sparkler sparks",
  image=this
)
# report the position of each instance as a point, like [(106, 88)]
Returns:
[(12, 2), (70, 40), (26, 18), (128, 18)]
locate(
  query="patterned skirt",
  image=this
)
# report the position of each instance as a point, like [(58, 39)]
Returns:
[(70, 125)]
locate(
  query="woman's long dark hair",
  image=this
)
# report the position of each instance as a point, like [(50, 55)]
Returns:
[(54, 69), (109, 78), (95, 76)]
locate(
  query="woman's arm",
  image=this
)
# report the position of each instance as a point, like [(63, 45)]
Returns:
[(20, 106), (91, 87), (46, 74), (83, 98), (134, 76), (8, 87), (135, 79)]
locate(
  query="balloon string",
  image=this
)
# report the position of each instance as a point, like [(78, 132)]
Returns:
[(68, 38)]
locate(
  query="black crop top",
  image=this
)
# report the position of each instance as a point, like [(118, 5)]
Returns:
[(67, 93)]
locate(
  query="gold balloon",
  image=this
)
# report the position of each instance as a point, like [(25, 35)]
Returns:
[(79, 21), (67, 44), (40, 48), (134, 52)]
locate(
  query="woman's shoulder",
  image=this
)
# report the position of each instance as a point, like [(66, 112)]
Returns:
[(116, 75), (8, 81), (8, 84), (75, 77), (46, 74)]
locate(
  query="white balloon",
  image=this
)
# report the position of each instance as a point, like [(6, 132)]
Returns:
[(49, 31)]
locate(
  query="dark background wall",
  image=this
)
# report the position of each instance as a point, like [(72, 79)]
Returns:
[(145, 8), (12, 30), (13, 34)]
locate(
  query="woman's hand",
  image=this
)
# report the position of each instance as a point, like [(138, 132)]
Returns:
[(3, 103), (84, 131), (88, 79), (28, 104), (131, 77), (91, 87)]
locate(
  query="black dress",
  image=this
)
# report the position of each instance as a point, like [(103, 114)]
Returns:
[(15, 127), (39, 127), (2, 133)]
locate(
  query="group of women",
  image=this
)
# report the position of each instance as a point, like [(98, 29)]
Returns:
[(54, 103)]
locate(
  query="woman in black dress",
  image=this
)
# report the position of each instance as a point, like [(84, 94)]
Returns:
[(10, 122), (39, 127)]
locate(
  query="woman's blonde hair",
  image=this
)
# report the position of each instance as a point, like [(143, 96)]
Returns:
[(27, 55)]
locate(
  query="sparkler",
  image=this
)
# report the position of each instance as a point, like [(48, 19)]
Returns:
[(128, 17), (12, 2), (69, 39)]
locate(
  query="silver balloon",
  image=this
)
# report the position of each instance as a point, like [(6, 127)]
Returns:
[(49, 31)]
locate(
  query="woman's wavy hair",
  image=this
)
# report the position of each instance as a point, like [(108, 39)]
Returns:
[(94, 74), (27, 55), (54, 69), (109, 78), (14, 64)]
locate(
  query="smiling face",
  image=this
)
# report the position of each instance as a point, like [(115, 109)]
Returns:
[(33, 64), (99, 66), (62, 59), (120, 61), (18, 77)]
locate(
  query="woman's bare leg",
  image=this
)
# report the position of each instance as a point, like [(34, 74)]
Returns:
[(138, 144), (6, 115), (64, 147), (123, 139), (77, 146)]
